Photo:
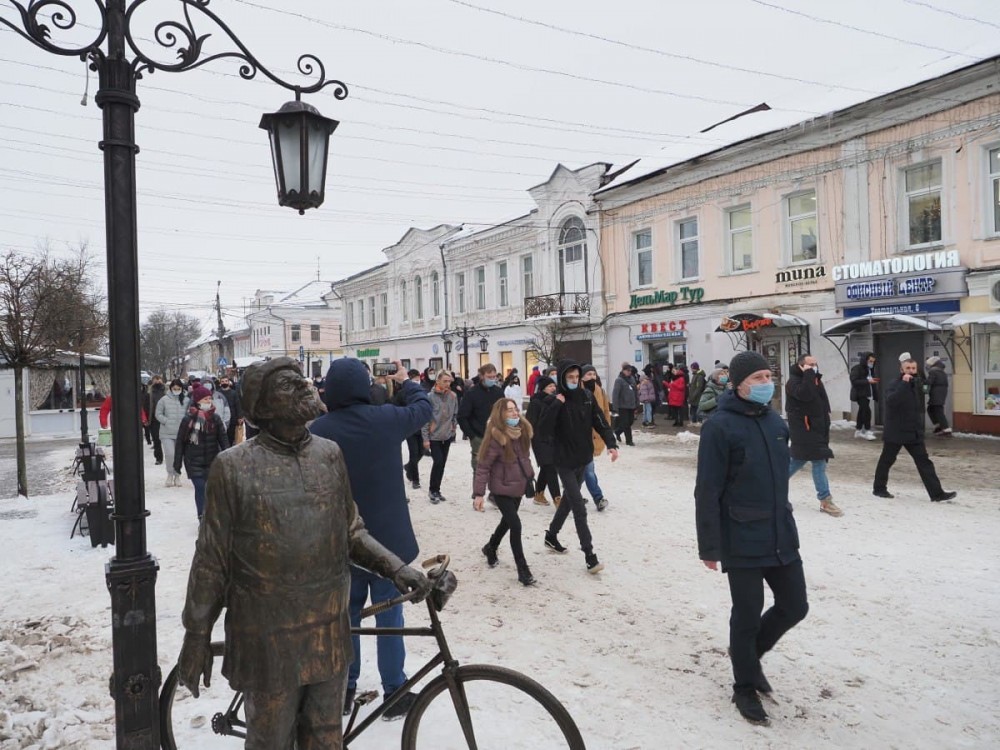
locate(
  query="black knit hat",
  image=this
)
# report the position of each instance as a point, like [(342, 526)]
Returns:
[(745, 364)]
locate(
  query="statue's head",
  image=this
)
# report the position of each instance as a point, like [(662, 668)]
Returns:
[(275, 393)]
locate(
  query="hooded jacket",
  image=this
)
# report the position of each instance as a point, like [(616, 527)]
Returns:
[(677, 391), (601, 398), (742, 512), (860, 387), (903, 413), (369, 437), (474, 411), (808, 410), (570, 425), (647, 391), (169, 413), (623, 394), (441, 428), (937, 385), (545, 452)]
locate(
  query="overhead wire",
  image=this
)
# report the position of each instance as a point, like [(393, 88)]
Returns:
[(952, 13)]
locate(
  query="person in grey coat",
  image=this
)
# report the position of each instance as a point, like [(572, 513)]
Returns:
[(937, 394), (170, 411), (624, 401), (439, 433)]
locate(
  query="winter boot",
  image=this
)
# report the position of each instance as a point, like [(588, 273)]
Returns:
[(540, 499), (593, 564), (524, 575), (748, 704), (552, 542), (491, 555)]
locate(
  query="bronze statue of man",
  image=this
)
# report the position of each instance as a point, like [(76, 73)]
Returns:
[(280, 527)]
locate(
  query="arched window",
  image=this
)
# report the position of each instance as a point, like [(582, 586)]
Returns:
[(573, 256), (435, 294), (419, 289), (404, 299)]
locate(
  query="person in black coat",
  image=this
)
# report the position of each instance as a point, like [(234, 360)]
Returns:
[(937, 395), (232, 397), (808, 409), (904, 428), (545, 454), (569, 419), (745, 522), (864, 390), (201, 437), (414, 442), (474, 409)]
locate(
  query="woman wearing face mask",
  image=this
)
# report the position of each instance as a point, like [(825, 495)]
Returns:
[(715, 386), (170, 412), (201, 437), (677, 396), (505, 467), (513, 390), (548, 477)]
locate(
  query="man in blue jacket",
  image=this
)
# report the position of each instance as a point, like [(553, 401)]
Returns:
[(369, 437), (745, 521)]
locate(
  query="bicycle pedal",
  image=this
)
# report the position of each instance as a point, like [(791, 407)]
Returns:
[(367, 697)]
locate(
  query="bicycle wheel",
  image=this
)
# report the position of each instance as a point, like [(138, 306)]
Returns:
[(507, 710), (213, 720)]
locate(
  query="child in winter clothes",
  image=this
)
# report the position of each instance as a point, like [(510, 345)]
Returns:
[(505, 466), (647, 397)]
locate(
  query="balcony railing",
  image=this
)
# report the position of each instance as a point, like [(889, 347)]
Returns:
[(557, 305)]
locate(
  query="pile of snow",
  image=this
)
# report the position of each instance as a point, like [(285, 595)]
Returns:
[(687, 437)]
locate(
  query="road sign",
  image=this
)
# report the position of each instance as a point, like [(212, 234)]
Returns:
[(223, 362)]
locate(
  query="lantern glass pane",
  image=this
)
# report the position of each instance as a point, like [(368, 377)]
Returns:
[(275, 160), (317, 135), (289, 135)]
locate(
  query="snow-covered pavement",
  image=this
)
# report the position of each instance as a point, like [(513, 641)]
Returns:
[(901, 648)]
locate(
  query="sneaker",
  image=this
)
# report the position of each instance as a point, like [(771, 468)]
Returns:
[(883, 493), (946, 433), (861, 434), (540, 499), (552, 542), (435, 498), (491, 555), (869, 435), (593, 564), (830, 508), (748, 704), (401, 708), (349, 701), (944, 496), (601, 504)]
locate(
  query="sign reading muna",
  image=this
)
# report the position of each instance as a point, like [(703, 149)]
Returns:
[(898, 264), (686, 294)]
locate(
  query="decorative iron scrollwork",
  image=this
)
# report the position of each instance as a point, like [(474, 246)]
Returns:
[(549, 305), (39, 17)]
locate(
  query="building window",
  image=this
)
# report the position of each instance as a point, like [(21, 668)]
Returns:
[(573, 240), (361, 315), (418, 286), (923, 203), (481, 288), (995, 189), (404, 297), (296, 333), (687, 234), (502, 277), (350, 317), (314, 333), (460, 292), (371, 312), (988, 348), (739, 239), (642, 258), (528, 276), (802, 227), (384, 301), (436, 294)]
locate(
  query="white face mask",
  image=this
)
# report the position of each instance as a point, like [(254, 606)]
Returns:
[(176, 391), (204, 406)]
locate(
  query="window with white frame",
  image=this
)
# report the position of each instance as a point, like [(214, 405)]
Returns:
[(502, 281), (460, 292), (436, 294), (481, 288), (687, 237), (739, 239), (418, 286), (404, 300), (528, 276), (361, 315), (296, 333), (350, 317), (923, 204), (314, 333), (384, 304), (642, 258), (371, 312), (803, 240), (994, 167)]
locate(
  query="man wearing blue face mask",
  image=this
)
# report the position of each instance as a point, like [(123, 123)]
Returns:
[(745, 521), (474, 411)]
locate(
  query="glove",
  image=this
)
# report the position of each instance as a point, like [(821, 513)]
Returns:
[(409, 579), (195, 662)]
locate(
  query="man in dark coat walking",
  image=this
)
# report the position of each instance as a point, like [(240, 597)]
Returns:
[(475, 407), (937, 395), (904, 428), (745, 521), (370, 438), (864, 390), (808, 409)]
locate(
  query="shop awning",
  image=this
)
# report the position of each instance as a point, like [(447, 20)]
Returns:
[(786, 320), (896, 321), (964, 319)]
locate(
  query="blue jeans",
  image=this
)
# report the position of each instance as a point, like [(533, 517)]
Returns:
[(199, 493), (694, 414), (391, 651), (647, 413), (820, 482), (590, 477)]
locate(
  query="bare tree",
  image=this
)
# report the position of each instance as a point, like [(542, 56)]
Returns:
[(547, 341), (164, 337), (47, 304)]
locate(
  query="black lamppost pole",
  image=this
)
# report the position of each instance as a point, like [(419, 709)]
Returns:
[(465, 333), (299, 134)]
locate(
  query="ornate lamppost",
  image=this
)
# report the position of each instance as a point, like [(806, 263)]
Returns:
[(299, 143), (465, 333)]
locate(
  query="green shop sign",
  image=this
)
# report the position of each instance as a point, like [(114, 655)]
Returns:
[(686, 294), (362, 353)]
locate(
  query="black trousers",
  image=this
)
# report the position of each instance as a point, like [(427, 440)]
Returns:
[(751, 635), (864, 414), (572, 501), (548, 478), (937, 415), (154, 432), (509, 521), (439, 455), (918, 452), (415, 446), (231, 433), (624, 424)]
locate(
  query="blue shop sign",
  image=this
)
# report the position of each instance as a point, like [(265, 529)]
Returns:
[(907, 308)]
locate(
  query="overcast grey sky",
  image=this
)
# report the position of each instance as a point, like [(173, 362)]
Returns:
[(454, 112)]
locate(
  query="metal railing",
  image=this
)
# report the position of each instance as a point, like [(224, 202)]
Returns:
[(560, 304)]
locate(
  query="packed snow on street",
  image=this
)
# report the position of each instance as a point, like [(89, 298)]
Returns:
[(901, 647)]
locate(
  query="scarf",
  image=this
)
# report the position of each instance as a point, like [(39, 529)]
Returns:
[(201, 422), (507, 436)]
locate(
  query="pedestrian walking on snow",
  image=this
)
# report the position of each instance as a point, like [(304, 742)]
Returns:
[(592, 383), (808, 408), (170, 411), (647, 397), (677, 396), (937, 395), (200, 439), (625, 401), (476, 407), (439, 433), (695, 390), (548, 477), (864, 390), (414, 442), (505, 467)]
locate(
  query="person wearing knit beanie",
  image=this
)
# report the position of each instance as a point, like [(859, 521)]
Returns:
[(745, 364), (199, 394)]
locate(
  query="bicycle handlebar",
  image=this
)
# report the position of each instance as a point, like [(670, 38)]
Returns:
[(435, 567)]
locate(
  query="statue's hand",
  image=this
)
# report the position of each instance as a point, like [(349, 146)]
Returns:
[(195, 662), (409, 579)]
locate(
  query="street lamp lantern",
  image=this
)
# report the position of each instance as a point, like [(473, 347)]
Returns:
[(484, 344), (447, 346), (300, 145)]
